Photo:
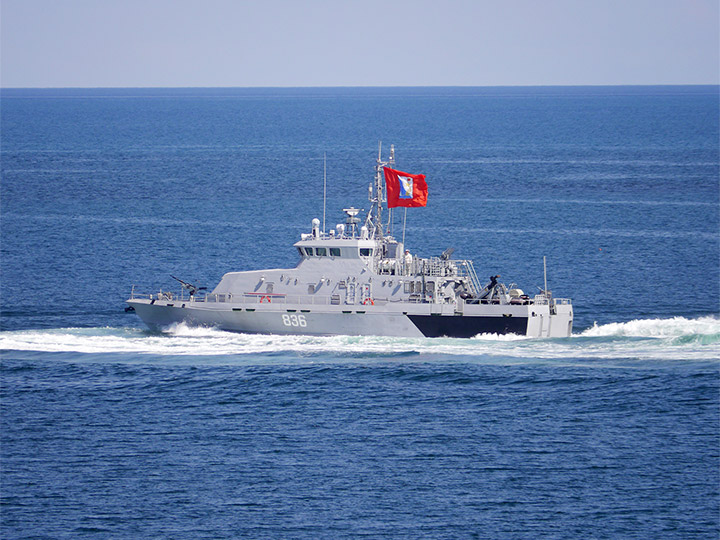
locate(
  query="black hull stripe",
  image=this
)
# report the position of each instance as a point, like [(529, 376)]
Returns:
[(465, 327)]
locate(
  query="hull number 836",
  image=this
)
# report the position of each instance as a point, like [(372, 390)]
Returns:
[(294, 320)]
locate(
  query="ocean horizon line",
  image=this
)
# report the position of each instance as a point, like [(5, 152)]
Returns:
[(392, 91)]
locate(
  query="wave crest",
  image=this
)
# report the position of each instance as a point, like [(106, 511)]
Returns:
[(705, 329)]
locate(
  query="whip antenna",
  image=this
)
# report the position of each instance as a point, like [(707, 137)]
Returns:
[(324, 188)]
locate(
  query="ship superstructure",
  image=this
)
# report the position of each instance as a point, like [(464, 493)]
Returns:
[(357, 279)]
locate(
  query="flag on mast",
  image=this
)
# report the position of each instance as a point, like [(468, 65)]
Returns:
[(404, 189)]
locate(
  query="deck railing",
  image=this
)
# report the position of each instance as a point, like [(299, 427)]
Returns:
[(253, 298), (431, 267)]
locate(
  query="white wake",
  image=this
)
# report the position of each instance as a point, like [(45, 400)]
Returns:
[(658, 328), (677, 338)]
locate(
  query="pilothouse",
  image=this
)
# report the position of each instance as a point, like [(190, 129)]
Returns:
[(358, 279)]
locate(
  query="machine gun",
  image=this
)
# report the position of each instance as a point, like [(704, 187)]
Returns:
[(489, 289), (192, 289), (447, 254)]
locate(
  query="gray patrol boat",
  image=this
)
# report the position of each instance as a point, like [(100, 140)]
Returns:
[(359, 280)]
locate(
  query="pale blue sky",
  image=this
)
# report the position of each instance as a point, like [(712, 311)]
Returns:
[(141, 43)]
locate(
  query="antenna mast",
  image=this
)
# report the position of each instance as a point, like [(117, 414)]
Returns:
[(374, 219), (324, 188)]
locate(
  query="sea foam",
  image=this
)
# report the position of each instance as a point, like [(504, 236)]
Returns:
[(677, 338), (658, 328)]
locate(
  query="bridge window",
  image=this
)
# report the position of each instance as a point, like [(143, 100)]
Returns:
[(309, 251), (320, 252), (334, 252), (301, 252), (366, 252)]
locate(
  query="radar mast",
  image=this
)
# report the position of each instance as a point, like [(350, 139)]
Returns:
[(377, 197)]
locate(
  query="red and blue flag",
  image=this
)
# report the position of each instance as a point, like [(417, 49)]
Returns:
[(404, 189)]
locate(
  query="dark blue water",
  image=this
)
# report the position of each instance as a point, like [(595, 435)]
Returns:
[(110, 431)]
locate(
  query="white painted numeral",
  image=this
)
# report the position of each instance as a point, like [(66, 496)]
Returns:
[(294, 320)]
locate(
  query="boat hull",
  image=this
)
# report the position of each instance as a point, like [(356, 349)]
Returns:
[(408, 320)]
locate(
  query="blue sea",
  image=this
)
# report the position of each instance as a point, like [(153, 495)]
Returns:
[(110, 431)]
